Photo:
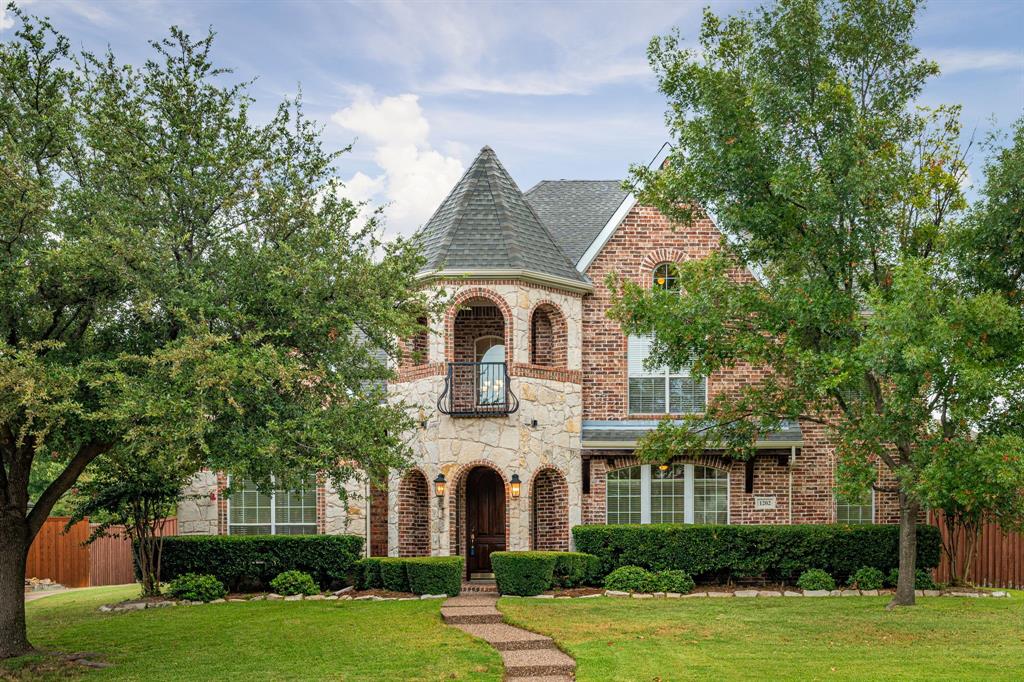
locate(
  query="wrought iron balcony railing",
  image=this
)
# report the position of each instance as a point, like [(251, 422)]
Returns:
[(477, 389)]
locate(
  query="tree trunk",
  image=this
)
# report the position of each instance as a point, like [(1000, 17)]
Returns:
[(14, 545), (909, 509)]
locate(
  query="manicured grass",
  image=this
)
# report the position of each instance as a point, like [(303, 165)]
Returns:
[(842, 638), (258, 641)]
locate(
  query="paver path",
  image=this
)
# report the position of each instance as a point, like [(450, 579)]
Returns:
[(526, 655)]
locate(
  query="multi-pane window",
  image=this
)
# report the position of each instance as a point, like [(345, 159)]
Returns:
[(666, 276), (856, 512), (660, 390), (680, 493), (623, 494), (281, 512)]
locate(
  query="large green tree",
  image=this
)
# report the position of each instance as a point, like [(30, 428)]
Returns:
[(796, 127), (178, 278)]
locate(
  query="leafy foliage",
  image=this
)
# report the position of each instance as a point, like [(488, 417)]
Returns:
[(840, 274), (196, 587), (183, 281), (293, 582), (674, 580), (868, 578), (631, 579), (241, 561), (816, 579), (523, 573), (727, 553), (419, 575)]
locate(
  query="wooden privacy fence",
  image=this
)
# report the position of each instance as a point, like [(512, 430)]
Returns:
[(998, 558), (64, 558)]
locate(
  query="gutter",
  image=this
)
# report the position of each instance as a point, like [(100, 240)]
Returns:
[(503, 273)]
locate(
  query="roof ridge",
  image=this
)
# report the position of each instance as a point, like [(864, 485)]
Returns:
[(504, 223)]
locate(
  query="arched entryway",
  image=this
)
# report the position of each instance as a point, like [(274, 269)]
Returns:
[(484, 524), (414, 515), (550, 518)]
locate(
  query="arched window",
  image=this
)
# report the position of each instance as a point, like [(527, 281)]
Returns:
[(666, 276), (677, 493)]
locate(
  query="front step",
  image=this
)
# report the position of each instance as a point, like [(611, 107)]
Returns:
[(470, 615), (537, 663), (474, 599), (508, 638)]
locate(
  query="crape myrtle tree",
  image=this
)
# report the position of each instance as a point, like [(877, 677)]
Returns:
[(177, 277), (839, 272)]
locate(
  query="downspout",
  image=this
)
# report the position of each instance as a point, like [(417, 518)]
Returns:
[(792, 462)]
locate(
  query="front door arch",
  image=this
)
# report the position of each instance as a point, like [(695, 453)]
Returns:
[(485, 518)]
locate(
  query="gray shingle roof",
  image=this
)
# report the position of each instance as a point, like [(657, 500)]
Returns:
[(486, 224), (575, 210), (601, 433)]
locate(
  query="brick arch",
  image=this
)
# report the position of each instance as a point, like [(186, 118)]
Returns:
[(414, 514), (549, 510), (549, 347), (468, 295), (457, 505), (712, 461), (656, 258)]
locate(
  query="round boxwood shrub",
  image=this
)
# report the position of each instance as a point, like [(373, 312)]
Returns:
[(196, 587), (632, 579), (674, 581), (922, 579), (816, 579), (293, 582), (867, 578), (435, 575), (523, 573)]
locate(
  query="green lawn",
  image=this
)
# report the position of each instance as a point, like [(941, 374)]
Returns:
[(260, 640), (786, 638)]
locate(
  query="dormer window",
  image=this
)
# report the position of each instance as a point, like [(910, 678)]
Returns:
[(666, 276)]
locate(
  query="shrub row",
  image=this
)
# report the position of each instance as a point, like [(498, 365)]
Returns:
[(722, 553), (419, 575), (251, 561), (529, 573)]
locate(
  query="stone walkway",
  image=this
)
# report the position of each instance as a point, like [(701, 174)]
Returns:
[(526, 655)]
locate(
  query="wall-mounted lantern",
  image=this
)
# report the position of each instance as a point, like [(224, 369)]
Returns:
[(439, 485), (663, 467), (515, 484)]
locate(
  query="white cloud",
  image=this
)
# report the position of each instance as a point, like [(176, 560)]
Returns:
[(6, 20), (958, 60), (565, 81), (414, 176)]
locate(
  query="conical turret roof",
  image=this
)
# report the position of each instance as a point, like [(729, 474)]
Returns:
[(486, 225)]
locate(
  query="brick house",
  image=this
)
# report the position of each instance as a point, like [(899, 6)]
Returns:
[(529, 400)]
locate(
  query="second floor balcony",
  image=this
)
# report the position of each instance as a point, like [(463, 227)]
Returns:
[(477, 389)]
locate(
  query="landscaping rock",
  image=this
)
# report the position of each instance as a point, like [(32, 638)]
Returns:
[(258, 597), (615, 593), (692, 595), (869, 593), (673, 595), (591, 596), (816, 593), (720, 594), (791, 593), (642, 595), (315, 597), (658, 595), (849, 593), (433, 596), (344, 590), (131, 606), (366, 597), (542, 596), (106, 608), (163, 604), (344, 597), (768, 593), (218, 601), (932, 593), (331, 597), (834, 593), (1000, 593), (746, 593), (293, 597), (233, 599), (274, 597)]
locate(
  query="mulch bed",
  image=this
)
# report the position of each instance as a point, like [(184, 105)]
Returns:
[(577, 592)]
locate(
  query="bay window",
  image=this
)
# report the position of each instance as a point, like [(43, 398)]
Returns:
[(680, 493)]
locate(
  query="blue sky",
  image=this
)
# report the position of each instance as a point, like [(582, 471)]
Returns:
[(558, 89)]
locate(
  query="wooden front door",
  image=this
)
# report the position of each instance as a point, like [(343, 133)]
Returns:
[(485, 518)]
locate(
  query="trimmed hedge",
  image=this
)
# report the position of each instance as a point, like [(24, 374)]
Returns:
[(435, 575), (419, 575), (529, 573), (523, 573), (238, 560), (722, 553), (196, 587)]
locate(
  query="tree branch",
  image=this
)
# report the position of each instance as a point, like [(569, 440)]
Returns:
[(62, 484)]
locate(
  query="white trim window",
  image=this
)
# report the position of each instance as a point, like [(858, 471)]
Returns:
[(661, 390), (680, 493), (282, 512), (856, 513)]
